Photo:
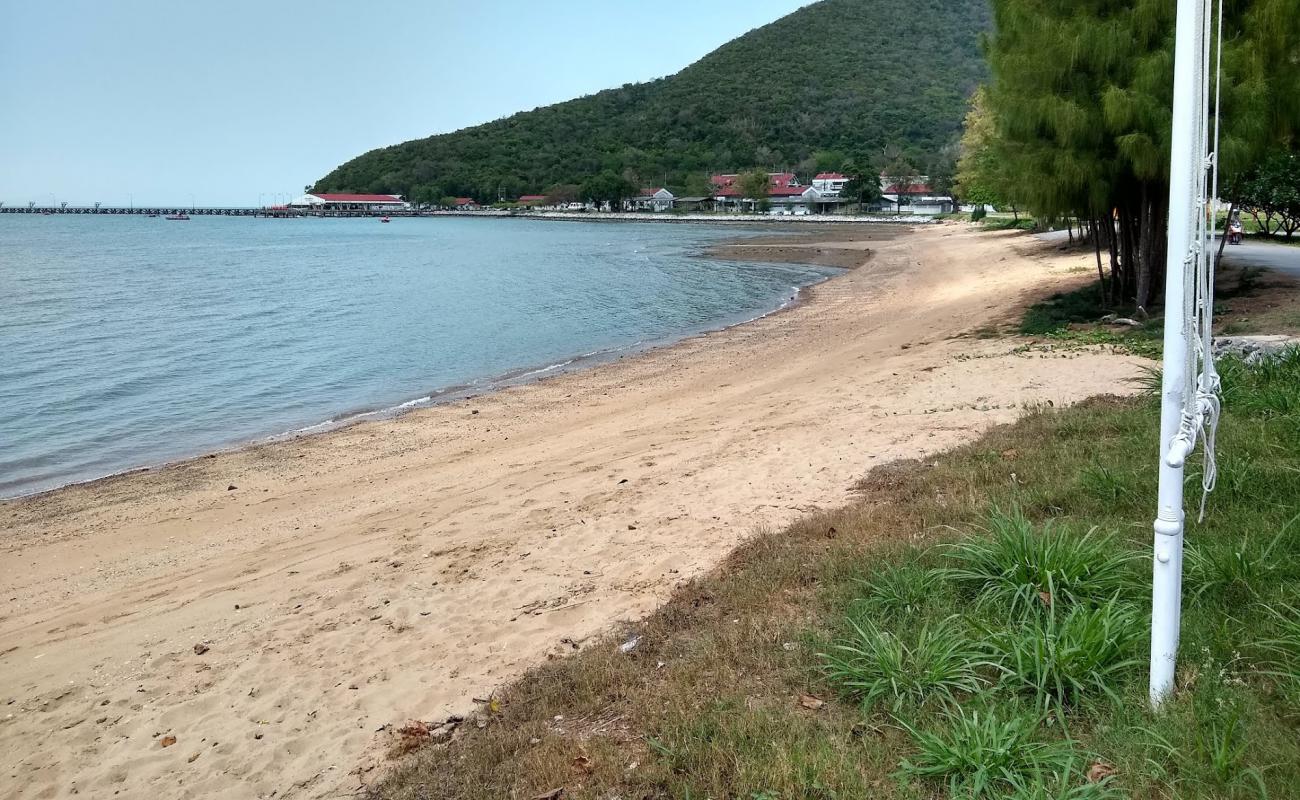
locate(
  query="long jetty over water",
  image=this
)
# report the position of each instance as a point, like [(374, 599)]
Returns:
[(199, 211)]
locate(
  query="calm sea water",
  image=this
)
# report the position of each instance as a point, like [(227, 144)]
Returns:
[(127, 342)]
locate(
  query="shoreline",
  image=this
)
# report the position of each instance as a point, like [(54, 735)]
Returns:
[(282, 609), (520, 376), (686, 218)]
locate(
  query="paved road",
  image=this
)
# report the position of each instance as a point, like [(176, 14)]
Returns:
[(1251, 253), (1280, 257)]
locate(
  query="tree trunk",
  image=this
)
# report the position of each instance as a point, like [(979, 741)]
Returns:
[(1101, 276), (1126, 249), (1145, 249), (1116, 273), (1227, 223)]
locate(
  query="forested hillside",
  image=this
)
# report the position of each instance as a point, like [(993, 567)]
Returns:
[(841, 79)]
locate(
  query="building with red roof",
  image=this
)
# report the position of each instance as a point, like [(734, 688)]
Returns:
[(916, 193), (784, 194), (830, 183)]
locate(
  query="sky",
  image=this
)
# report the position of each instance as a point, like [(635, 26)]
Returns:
[(243, 103)]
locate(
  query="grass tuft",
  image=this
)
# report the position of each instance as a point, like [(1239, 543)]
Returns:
[(938, 663), (986, 755), (899, 591), (1022, 568), (1062, 657), (1282, 649), (1237, 570)]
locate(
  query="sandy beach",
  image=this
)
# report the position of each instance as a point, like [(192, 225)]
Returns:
[(246, 624)]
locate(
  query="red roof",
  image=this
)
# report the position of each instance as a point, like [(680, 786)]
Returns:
[(914, 188), (359, 198), (830, 176), (464, 201), (779, 185), (531, 198)]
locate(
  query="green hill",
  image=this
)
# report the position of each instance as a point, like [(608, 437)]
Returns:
[(837, 79)]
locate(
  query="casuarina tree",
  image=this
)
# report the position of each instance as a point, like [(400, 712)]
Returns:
[(1081, 96)]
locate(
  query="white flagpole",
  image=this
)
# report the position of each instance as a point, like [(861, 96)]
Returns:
[(1185, 174)]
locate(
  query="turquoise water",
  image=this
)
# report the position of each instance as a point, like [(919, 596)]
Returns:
[(127, 342)]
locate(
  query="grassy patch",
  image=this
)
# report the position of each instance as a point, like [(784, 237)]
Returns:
[(1074, 318), (1008, 224), (920, 643)]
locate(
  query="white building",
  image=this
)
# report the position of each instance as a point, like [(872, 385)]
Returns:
[(351, 203), (652, 200), (830, 184)]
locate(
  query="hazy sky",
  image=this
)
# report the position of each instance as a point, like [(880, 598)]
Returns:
[(105, 100)]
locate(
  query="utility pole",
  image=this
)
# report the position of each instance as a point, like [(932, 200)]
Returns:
[(1185, 178)]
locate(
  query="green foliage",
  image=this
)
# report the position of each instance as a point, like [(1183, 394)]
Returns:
[(1059, 316), (1236, 569), (985, 755), (1020, 570), (562, 193), (899, 590), (1282, 649), (1271, 388), (822, 86), (938, 662), (1063, 657), (982, 173), (1270, 192), (1081, 103), (754, 184), (607, 188)]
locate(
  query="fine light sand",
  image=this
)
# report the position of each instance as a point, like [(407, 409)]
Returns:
[(398, 569)]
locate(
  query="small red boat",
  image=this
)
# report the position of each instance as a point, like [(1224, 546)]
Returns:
[(385, 219)]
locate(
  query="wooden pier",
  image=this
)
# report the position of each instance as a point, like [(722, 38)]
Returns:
[(162, 211)]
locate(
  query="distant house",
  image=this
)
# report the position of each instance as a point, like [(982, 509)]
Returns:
[(917, 195), (785, 195), (351, 203), (652, 200), (466, 204), (830, 184), (927, 206), (532, 200)]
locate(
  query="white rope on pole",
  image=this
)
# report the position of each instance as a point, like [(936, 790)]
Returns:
[(1190, 403)]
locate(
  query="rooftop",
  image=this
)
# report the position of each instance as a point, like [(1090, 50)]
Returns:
[(359, 198)]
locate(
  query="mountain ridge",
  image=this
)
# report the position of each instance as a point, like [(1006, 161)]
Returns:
[(833, 80)]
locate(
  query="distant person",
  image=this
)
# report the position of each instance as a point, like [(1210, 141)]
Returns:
[(1235, 230)]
